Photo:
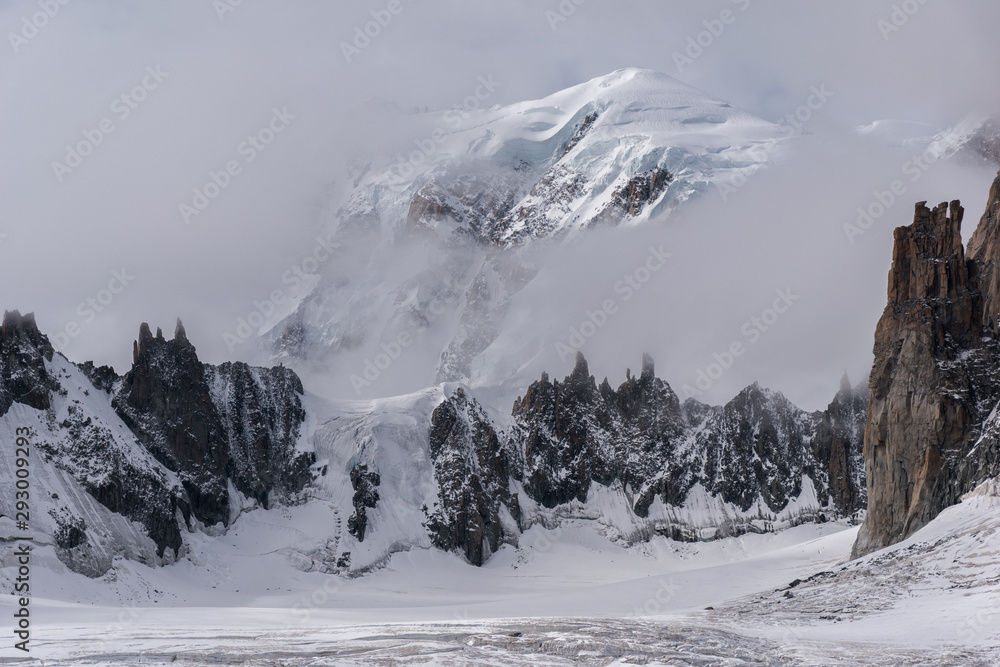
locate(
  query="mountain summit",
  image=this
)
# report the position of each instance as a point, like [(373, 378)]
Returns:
[(480, 185)]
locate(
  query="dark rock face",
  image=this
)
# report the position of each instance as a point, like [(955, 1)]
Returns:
[(214, 425), (102, 377), (839, 443), (473, 471), (166, 401), (641, 190), (757, 447), (984, 250), (366, 497), (261, 416), (640, 439), (576, 433), (934, 379), (23, 352), (120, 483)]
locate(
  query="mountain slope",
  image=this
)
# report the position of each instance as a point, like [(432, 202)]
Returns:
[(131, 466), (442, 235)]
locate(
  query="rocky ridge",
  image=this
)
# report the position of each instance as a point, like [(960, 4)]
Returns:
[(171, 444), (929, 436), (567, 439)]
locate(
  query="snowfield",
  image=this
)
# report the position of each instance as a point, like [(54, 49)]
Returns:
[(562, 597)]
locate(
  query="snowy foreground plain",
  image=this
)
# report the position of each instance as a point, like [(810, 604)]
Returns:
[(563, 597)]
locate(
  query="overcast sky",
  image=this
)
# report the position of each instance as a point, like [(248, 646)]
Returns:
[(208, 78)]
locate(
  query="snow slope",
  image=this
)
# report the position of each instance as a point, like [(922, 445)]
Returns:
[(571, 598)]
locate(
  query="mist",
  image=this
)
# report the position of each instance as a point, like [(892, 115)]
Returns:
[(203, 89)]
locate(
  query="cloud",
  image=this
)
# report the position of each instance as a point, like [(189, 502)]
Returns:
[(226, 77)]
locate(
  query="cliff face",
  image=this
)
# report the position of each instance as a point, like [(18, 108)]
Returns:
[(214, 425), (473, 469), (752, 457), (934, 378), (24, 377), (131, 461), (838, 443)]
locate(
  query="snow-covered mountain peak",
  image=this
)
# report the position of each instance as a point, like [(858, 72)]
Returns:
[(484, 180), (542, 168)]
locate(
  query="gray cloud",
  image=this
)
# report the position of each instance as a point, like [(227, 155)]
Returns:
[(119, 208)]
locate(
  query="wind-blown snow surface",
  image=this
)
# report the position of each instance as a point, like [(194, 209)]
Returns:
[(566, 597)]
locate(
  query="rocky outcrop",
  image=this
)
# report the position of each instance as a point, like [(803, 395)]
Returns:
[(366, 497), (214, 425), (23, 351), (984, 250), (753, 455), (124, 485), (161, 446), (166, 401), (473, 469), (933, 382), (641, 190), (839, 442)]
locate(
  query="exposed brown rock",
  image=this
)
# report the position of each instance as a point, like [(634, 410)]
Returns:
[(984, 248), (928, 384)]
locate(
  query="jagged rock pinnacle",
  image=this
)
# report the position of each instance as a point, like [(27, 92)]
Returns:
[(581, 370), (180, 335), (648, 371)]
